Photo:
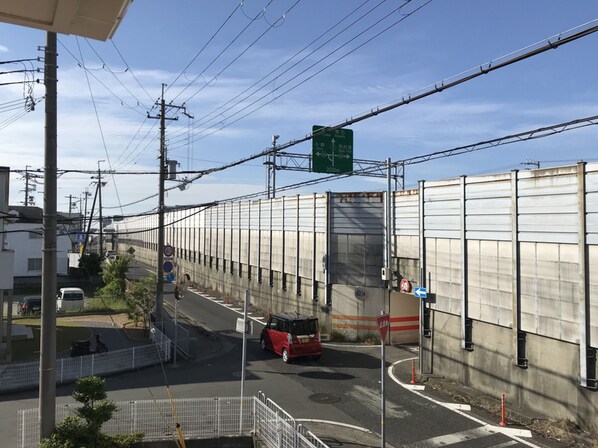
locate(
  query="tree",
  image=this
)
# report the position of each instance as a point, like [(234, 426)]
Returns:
[(141, 299), (114, 275), (90, 265), (84, 428)]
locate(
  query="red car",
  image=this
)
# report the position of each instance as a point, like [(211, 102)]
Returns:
[(292, 336)]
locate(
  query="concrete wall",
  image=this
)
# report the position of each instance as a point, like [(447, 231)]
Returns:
[(548, 386)]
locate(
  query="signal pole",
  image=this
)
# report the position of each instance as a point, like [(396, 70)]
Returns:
[(162, 177)]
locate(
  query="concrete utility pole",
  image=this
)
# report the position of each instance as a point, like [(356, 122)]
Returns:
[(101, 246), (47, 357), (162, 170), (26, 202)]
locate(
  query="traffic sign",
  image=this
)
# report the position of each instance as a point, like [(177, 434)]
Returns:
[(332, 151), (383, 325), (168, 250), (420, 292), (80, 238), (168, 266), (169, 277)]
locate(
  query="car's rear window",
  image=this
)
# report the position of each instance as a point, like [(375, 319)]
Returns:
[(308, 326)]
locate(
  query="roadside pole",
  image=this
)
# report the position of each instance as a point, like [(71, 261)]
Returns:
[(176, 327), (383, 321), (243, 359)]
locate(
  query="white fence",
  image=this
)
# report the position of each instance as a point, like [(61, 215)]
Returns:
[(25, 375), (198, 417)]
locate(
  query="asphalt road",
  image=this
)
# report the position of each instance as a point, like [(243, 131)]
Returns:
[(336, 395)]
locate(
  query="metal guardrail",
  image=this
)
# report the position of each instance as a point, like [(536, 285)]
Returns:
[(167, 326), (198, 418), (25, 375)]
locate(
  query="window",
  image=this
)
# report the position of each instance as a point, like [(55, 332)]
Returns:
[(34, 264)]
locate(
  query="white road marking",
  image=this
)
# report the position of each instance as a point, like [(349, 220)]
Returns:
[(503, 445), (329, 422), (460, 406), (370, 398), (525, 433), (453, 438)]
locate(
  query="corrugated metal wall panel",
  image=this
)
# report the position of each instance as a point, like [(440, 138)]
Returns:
[(278, 214), (406, 212), (547, 205), (593, 292), (276, 250), (356, 213), (443, 257), (592, 203), (488, 207), (549, 282)]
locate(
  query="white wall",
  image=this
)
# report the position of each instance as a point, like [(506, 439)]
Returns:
[(25, 248)]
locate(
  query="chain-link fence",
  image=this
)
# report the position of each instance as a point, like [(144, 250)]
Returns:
[(198, 418), (17, 376)]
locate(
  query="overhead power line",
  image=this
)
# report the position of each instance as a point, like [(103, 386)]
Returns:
[(493, 65), (219, 110), (542, 132)]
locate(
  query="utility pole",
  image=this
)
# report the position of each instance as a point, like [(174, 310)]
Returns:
[(101, 247), (162, 171), (87, 194), (47, 356), (26, 202)]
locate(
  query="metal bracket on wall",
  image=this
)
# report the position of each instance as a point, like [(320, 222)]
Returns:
[(468, 343), (592, 382), (427, 331), (521, 344)]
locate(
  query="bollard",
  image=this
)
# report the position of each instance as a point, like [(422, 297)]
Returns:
[(503, 421), (413, 371)]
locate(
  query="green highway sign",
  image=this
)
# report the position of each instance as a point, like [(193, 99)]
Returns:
[(332, 151)]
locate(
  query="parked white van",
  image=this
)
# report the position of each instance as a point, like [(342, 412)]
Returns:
[(69, 299)]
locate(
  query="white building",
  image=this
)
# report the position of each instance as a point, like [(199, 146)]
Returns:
[(24, 235)]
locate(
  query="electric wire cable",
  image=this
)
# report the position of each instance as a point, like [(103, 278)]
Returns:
[(303, 81), (107, 67), (205, 45), (245, 50), (222, 51), (88, 72), (99, 126), (131, 71), (218, 111)]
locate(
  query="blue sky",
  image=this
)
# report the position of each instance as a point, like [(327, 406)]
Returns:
[(158, 40)]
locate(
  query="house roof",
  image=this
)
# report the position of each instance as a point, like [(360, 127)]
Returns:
[(31, 214), (87, 18)]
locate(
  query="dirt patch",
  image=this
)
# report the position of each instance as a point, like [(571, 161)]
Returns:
[(561, 430), (118, 320)]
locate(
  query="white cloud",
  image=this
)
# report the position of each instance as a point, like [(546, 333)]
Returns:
[(4, 49)]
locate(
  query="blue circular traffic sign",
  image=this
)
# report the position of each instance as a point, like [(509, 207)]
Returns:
[(170, 277), (168, 266)]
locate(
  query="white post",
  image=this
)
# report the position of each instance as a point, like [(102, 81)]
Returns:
[(243, 361)]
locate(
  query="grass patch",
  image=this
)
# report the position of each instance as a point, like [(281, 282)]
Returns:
[(28, 349), (97, 304)]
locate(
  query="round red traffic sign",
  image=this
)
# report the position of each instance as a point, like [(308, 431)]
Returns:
[(168, 250)]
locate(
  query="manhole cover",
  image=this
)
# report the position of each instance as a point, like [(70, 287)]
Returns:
[(324, 398)]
